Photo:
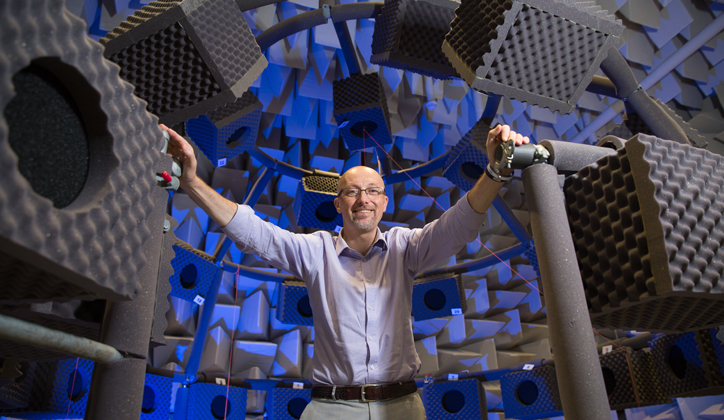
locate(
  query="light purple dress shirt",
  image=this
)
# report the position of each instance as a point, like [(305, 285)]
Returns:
[(362, 304)]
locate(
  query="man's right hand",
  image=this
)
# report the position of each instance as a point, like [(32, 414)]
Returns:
[(181, 151)]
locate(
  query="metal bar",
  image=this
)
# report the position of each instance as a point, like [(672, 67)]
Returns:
[(259, 186), (256, 274), (416, 171), (348, 49), (580, 380), (513, 223), (486, 261), (282, 167), (716, 26), (35, 335)]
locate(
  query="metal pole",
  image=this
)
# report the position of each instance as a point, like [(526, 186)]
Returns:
[(486, 261), (28, 333), (513, 223), (580, 380)]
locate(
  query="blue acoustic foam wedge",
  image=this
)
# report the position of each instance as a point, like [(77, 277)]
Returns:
[(541, 52), (360, 109), (293, 304), (284, 402), (687, 365), (228, 131), (618, 372), (531, 394), (647, 225), (409, 34), (59, 391), (80, 232), (462, 399), (186, 58), (211, 402), (194, 271), (314, 203), (438, 296), (156, 398), (468, 158)]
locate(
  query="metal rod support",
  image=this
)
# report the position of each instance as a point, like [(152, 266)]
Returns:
[(580, 380), (35, 335), (417, 171), (348, 49), (256, 274), (486, 261), (513, 223)]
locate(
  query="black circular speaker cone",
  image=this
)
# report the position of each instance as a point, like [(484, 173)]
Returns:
[(435, 299), (453, 401), (363, 128)]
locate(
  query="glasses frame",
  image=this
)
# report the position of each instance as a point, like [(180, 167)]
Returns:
[(361, 190)]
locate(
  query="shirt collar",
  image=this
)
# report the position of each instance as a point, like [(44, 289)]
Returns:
[(341, 244)]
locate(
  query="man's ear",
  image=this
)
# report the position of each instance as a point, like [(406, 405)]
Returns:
[(387, 200), (337, 206)]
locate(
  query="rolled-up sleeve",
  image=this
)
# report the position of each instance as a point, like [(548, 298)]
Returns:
[(444, 237), (297, 254)]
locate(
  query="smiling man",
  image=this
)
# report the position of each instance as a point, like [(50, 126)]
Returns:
[(359, 282)]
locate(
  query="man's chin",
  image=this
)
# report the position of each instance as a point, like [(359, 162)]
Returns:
[(366, 225)]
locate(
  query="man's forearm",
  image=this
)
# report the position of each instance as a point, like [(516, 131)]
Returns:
[(483, 193), (217, 207)]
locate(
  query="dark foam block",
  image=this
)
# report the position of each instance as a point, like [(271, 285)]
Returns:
[(360, 109), (618, 372), (438, 296), (687, 365), (284, 403), (451, 400), (542, 52), (211, 402), (194, 271), (468, 158), (64, 236), (647, 225), (409, 34), (156, 397), (16, 383), (163, 286), (186, 58), (531, 394), (293, 305), (633, 124), (314, 203), (226, 132), (59, 390)]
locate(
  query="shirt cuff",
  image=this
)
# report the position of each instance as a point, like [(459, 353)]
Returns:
[(470, 217)]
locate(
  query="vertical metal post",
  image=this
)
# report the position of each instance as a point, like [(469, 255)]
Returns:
[(580, 380)]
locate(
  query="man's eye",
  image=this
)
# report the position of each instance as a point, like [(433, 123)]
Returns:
[(375, 191), (352, 193)]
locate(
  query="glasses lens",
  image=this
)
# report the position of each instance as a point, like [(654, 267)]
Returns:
[(351, 192)]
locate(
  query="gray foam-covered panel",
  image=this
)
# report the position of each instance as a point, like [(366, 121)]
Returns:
[(647, 227), (409, 33), (186, 58), (542, 52), (631, 380), (468, 158), (94, 247), (360, 109), (41, 389)]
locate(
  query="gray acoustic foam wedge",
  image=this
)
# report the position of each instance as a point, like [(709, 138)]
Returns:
[(67, 112), (163, 287), (631, 379), (647, 226), (360, 109), (409, 34), (541, 52), (633, 124), (186, 58)]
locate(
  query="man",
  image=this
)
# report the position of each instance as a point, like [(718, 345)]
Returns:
[(359, 282)]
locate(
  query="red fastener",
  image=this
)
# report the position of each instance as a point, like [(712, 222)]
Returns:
[(166, 177)]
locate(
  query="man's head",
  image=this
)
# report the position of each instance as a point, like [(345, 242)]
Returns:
[(361, 213)]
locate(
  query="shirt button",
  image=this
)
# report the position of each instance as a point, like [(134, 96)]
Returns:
[(368, 280), (370, 337), (372, 367), (370, 307), (365, 260)]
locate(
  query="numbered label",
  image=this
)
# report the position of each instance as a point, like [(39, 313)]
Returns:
[(220, 381), (221, 162), (528, 367), (338, 229), (457, 311), (607, 349), (298, 385), (452, 376), (199, 300)]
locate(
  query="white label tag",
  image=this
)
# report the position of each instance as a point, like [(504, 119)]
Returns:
[(199, 300), (344, 124), (220, 381), (221, 162), (607, 349), (338, 229), (298, 385), (528, 367), (452, 376), (457, 311)]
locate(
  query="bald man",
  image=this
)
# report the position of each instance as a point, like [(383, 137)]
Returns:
[(359, 282)]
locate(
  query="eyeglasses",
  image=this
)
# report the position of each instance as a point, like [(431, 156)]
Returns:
[(373, 192)]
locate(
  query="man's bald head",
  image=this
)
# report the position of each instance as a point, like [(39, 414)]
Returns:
[(359, 172)]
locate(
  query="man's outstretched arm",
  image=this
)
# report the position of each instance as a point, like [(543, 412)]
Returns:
[(217, 207), (481, 196)]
